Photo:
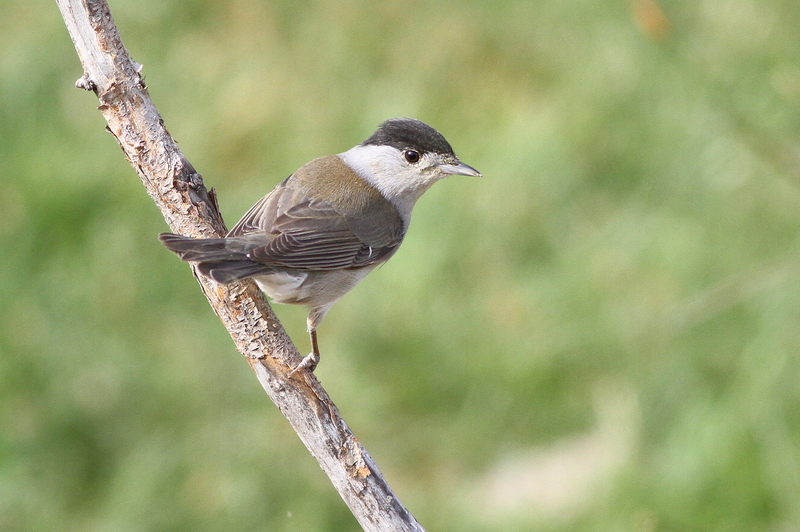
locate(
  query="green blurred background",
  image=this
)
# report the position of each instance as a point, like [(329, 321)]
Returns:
[(601, 334)]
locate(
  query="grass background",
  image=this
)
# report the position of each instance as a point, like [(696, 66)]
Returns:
[(601, 334)]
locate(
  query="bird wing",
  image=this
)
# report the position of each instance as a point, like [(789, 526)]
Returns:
[(305, 233)]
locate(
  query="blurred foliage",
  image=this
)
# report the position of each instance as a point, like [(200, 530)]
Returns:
[(601, 334)]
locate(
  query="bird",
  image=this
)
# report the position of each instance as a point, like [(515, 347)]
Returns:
[(325, 227)]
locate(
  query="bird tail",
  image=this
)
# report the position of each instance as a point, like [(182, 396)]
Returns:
[(223, 259)]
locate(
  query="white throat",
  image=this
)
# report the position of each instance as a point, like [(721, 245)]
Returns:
[(385, 168)]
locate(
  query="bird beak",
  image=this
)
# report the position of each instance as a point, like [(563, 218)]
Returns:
[(458, 168)]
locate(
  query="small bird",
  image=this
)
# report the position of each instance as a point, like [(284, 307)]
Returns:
[(330, 223)]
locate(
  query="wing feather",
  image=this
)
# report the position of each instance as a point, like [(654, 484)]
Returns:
[(305, 233)]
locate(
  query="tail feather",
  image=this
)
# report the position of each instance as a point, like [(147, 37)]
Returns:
[(223, 259), (227, 271), (202, 249)]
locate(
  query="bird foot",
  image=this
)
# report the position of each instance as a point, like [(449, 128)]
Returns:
[(309, 363)]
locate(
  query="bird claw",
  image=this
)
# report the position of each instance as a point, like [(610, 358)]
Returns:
[(309, 363)]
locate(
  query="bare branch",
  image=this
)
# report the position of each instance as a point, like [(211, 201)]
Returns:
[(189, 209)]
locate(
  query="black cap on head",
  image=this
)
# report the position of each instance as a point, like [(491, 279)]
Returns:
[(403, 133)]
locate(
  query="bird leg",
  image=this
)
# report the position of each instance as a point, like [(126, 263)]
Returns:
[(311, 360)]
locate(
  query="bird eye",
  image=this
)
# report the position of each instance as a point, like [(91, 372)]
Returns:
[(411, 156)]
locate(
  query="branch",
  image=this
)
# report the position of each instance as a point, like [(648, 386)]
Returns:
[(190, 209)]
